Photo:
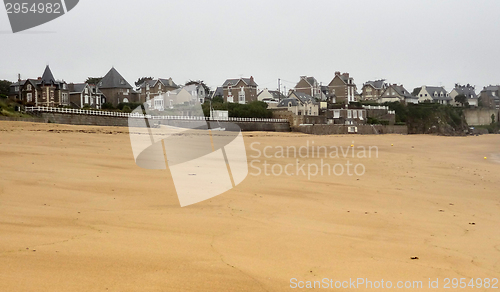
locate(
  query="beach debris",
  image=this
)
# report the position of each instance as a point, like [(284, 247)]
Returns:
[(485, 157), (392, 144), (414, 258), (192, 174), (472, 223), (442, 211)]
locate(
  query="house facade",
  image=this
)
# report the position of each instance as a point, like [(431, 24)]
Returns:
[(432, 94), (300, 104), (270, 95), (351, 117), (373, 90), (150, 89), (310, 86), (43, 91), (468, 91), (343, 87), (84, 95), (490, 96), (242, 90), (116, 89), (397, 93)]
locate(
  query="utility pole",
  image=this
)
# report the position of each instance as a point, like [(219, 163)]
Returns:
[(279, 89), (19, 83)]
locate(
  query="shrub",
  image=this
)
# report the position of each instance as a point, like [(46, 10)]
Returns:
[(107, 105)]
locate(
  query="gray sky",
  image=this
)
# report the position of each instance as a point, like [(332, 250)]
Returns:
[(428, 42)]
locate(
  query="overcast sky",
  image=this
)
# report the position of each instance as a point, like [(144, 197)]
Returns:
[(429, 42)]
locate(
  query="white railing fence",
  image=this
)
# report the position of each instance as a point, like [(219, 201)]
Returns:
[(136, 115), (380, 107)]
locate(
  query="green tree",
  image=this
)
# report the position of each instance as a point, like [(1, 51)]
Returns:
[(93, 80), (461, 99), (4, 87), (142, 80)]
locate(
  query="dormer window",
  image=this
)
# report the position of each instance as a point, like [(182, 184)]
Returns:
[(122, 82)]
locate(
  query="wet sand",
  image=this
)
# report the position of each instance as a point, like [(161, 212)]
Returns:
[(77, 214)]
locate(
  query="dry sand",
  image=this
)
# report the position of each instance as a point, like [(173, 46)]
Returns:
[(77, 214)]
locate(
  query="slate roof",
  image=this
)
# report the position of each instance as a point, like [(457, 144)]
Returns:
[(114, 80), (276, 94), (431, 90), (377, 84), (219, 91), (466, 90), (168, 82), (402, 91), (47, 77), (301, 97), (285, 102), (150, 82), (247, 81), (492, 88), (77, 87)]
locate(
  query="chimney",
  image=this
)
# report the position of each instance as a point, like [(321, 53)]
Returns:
[(346, 75), (251, 78), (337, 73), (39, 78)]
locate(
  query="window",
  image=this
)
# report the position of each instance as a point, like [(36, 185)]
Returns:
[(86, 90), (349, 114), (336, 114), (16, 88), (29, 97), (126, 92), (86, 99), (28, 87), (241, 95), (64, 85), (51, 94), (354, 114)]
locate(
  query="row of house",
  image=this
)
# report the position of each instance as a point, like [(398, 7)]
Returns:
[(307, 94), (112, 88)]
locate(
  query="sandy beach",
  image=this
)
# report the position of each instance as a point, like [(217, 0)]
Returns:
[(77, 214)]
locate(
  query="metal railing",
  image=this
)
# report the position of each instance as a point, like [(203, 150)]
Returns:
[(380, 107), (137, 115)]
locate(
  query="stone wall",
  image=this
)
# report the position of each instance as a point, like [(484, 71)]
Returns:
[(343, 129), (89, 120), (480, 116)]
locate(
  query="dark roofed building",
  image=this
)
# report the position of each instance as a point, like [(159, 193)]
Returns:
[(242, 90), (343, 87), (490, 96), (300, 104), (116, 89), (468, 91), (150, 89), (84, 95), (270, 95), (43, 91), (397, 93), (373, 90), (432, 94)]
